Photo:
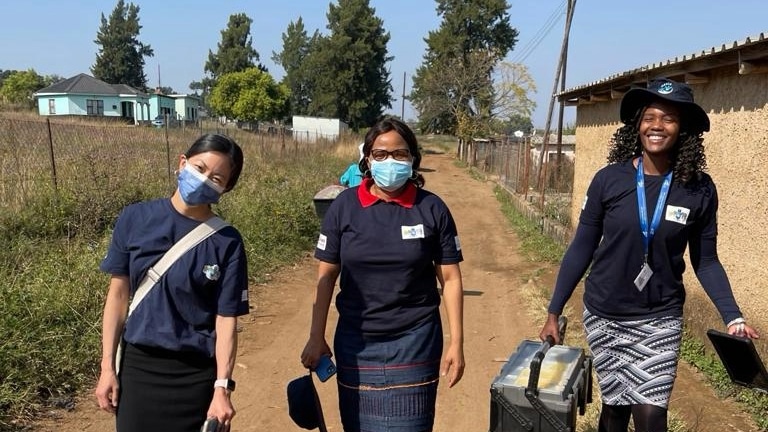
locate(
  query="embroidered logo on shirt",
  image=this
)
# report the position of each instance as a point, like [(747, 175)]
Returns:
[(677, 214), (412, 232), (322, 241), (211, 271), (244, 297), (584, 203), (458, 244)]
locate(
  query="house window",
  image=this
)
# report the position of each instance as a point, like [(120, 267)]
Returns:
[(51, 106), (95, 107)]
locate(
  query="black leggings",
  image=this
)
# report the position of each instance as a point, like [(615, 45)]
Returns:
[(648, 418)]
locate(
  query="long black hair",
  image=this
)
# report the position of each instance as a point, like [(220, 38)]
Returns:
[(388, 124), (222, 144), (687, 155)]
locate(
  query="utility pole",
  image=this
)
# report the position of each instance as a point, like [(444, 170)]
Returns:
[(542, 181), (402, 101)]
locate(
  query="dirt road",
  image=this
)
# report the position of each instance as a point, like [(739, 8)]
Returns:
[(498, 315)]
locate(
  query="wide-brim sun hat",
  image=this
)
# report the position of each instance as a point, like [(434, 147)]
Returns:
[(694, 118)]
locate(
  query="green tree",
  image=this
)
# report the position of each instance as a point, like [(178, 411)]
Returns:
[(5, 74), (350, 79), (19, 87), (513, 89), (296, 48), (120, 59), (473, 34), (235, 51), (250, 95)]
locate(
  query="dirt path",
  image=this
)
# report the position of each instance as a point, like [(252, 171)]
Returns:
[(497, 318)]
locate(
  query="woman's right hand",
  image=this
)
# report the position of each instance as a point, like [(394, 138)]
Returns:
[(551, 328), (315, 348), (107, 391)]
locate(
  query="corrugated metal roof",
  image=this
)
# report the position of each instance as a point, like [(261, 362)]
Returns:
[(653, 69)]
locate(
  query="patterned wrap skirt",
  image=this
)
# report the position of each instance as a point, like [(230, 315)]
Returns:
[(389, 383), (635, 361), (163, 390)]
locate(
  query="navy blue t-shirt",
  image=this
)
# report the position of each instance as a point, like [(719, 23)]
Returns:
[(211, 279), (387, 254), (609, 237)]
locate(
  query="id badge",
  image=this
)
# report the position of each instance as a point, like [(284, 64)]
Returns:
[(643, 277)]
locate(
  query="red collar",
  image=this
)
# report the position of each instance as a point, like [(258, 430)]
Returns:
[(406, 199)]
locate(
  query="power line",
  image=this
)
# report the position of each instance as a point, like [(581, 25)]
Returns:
[(541, 34)]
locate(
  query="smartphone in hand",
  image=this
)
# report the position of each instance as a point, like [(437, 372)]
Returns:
[(210, 425), (325, 368)]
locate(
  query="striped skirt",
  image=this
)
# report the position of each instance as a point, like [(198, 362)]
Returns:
[(163, 390), (389, 383), (635, 361)]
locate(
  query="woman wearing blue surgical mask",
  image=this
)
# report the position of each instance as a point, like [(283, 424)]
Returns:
[(388, 241), (180, 339)]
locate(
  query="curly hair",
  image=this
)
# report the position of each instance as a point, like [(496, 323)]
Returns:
[(687, 156)]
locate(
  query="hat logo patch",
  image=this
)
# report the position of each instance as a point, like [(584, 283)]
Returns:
[(666, 88)]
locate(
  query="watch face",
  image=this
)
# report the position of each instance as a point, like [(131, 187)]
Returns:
[(231, 385)]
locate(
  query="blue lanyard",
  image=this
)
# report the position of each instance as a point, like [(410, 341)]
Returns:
[(643, 210)]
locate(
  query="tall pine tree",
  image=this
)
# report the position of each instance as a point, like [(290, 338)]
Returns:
[(298, 78), (235, 51), (350, 77), (120, 59)]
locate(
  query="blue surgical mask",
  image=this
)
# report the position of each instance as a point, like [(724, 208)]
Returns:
[(391, 174), (197, 189)]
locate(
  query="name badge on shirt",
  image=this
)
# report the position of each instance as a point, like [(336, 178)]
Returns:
[(677, 214), (412, 232), (645, 275)]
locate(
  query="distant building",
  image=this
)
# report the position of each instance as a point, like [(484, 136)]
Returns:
[(84, 95), (311, 129), (567, 147)]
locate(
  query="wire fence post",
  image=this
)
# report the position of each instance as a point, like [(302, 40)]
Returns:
[(54, 178)]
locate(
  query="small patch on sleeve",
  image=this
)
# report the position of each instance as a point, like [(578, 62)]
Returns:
[(584, 203), (458, 243), (322, 241), (244, 296)]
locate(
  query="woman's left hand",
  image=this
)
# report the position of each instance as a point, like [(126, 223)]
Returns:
[(743, 330), (221, 408), (452, 365)]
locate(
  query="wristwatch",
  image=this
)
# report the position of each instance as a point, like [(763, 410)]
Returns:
[(226, 383)]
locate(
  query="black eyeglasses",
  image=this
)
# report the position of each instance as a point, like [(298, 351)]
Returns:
[(399, 154)]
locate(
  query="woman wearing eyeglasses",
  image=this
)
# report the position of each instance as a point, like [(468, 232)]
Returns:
[(388, 240)]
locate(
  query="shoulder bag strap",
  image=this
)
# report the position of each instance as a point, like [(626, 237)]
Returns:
[(192, 239)]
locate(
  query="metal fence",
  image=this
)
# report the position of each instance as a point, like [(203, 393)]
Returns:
[(541, 189)]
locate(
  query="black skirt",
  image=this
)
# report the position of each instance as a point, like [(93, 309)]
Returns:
[(163, 390)]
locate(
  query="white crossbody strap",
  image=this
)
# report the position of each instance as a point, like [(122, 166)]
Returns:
[(192, 239)]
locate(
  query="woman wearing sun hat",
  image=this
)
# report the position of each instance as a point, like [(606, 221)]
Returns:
[(641, 212)]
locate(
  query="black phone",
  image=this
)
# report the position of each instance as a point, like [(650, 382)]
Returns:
[(325, 368), (210, 425)]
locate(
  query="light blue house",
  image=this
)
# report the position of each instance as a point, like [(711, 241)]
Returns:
[(177, 107), (84, 95)]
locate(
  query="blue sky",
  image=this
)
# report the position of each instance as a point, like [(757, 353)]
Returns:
[(607, 37)]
